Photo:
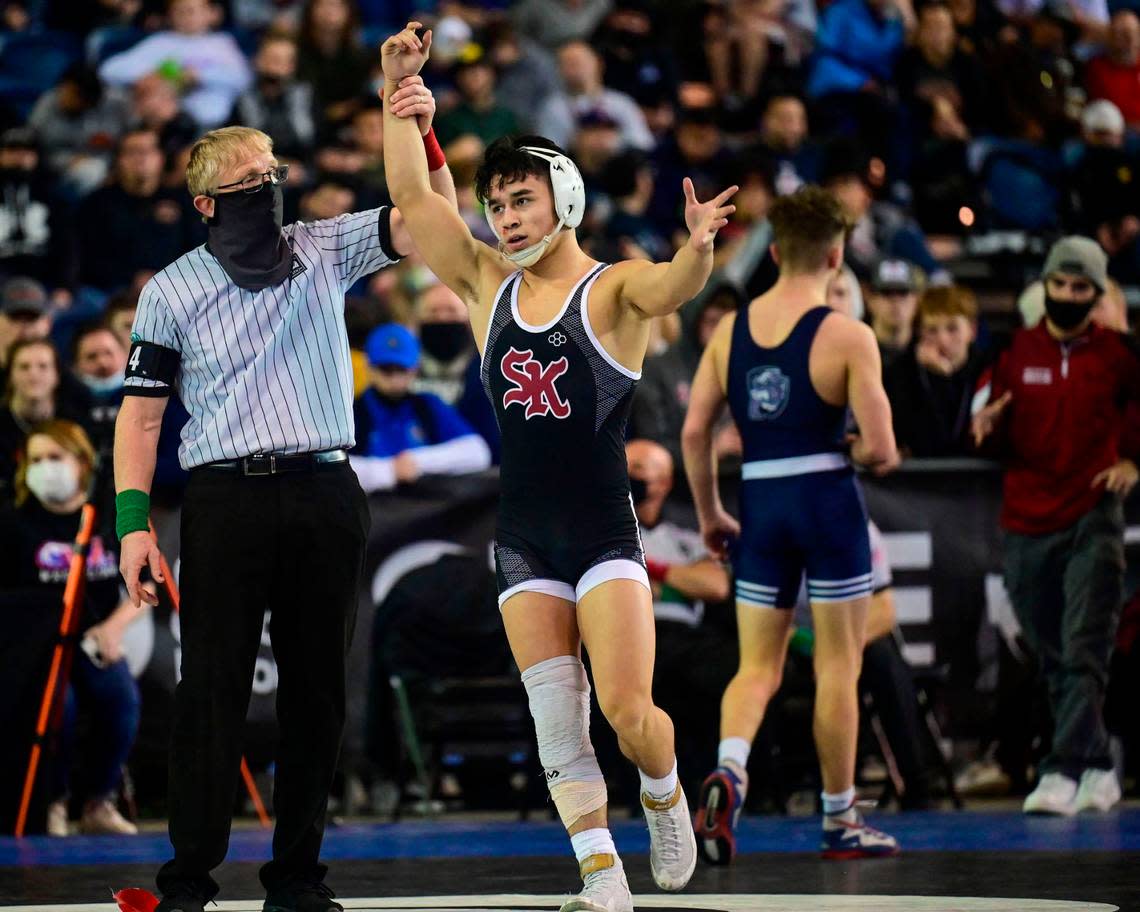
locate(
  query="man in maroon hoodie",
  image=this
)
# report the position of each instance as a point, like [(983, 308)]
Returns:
[(1056, 417)]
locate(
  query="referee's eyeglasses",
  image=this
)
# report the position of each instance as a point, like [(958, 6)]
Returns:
[(255, 182)]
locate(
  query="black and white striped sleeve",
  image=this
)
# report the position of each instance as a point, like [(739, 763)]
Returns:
[(361, 242), (156, 348)]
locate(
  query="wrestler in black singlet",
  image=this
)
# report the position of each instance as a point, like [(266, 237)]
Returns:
[(566, 520)]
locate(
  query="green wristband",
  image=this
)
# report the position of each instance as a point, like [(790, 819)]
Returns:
[(132, 512)]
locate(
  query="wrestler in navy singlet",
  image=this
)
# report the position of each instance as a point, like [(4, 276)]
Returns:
[(800, 506), (566, 521)]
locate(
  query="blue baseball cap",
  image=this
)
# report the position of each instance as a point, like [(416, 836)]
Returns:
[(391, 345)]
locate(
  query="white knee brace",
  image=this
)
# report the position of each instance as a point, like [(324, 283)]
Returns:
[(559, 695)]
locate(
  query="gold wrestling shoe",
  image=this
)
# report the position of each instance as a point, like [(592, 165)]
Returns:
[(672, 843), (604, 887)]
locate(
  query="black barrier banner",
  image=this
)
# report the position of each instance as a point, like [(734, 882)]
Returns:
[(411, 527), (939, 519), (940, 524)]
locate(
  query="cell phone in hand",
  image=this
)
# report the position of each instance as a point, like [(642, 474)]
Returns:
[(91, 648)]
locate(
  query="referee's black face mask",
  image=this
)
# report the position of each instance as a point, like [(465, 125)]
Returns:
[(245, 235)]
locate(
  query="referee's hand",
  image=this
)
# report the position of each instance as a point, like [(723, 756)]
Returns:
[(138, 550)]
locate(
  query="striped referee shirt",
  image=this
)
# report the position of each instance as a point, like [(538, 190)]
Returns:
[(263, 371)]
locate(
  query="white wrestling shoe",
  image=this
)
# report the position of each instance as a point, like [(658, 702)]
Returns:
[(672, 843), (604, 887), (1099, 790), (1055, 794)]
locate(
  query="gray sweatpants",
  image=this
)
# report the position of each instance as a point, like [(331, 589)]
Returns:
[(1066, 588)]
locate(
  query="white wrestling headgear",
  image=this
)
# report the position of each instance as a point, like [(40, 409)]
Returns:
[(569, 203)]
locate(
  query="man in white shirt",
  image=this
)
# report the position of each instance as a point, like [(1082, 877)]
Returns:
[(209, 66), (584, 91)]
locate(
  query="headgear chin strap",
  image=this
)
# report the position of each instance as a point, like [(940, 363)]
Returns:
[(569, 192)]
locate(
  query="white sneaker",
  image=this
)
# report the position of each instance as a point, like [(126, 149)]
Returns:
[(604, 887), (104, 817), (1055, 794), (57, 819), (1099, 790), (672, 843)]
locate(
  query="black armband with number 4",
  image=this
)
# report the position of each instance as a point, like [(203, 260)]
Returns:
[(151, 369)]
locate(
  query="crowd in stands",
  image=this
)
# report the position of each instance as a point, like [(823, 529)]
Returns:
[(961, 136)]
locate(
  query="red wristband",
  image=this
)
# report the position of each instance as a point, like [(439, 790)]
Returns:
[(435, 157), (656, 569)]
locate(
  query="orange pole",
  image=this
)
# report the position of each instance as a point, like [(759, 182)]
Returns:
[(246, 775), (67, 622), (254, 794)]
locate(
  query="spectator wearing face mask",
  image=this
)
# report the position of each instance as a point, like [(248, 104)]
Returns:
[(931, 385), (99, 361), (479, 112), (1053, 409), (34, 394), (445, 340), (696, 655), (36, 538), (278, 103), (526, 74), (402, 434)]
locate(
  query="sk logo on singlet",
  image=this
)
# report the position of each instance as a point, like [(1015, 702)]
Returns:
[(534, 384)]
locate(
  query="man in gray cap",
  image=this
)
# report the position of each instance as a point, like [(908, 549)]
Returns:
[(24, 314), (893, 301), (1055, 416)]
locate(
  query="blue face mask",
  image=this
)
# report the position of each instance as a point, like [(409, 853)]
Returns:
[(102, 386)]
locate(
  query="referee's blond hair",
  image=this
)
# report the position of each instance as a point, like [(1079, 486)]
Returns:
[(218, 149)]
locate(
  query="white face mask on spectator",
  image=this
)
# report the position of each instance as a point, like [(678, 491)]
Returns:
[(53, 481)]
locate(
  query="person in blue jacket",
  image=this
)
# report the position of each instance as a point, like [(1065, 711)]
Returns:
[(401, 434), (856, 48)]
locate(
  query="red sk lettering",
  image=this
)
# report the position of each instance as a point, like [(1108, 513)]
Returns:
[(534, 384)]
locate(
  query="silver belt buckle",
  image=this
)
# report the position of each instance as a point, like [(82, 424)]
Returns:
[(259, 464)]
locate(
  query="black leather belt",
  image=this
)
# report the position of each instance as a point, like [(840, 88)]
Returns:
[(276, 464)]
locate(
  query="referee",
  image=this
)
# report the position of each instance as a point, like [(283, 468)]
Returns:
[(249, 330)]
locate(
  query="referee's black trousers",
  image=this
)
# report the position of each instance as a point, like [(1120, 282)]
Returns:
[(293, 544)]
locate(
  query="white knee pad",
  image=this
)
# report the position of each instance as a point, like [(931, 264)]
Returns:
[(559, 695)]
